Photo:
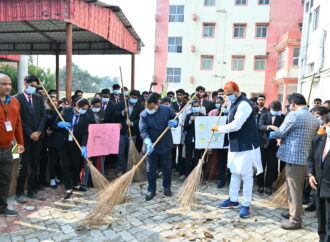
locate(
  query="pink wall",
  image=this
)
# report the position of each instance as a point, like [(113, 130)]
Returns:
[(162, 16), (10, 57), (284, 16)]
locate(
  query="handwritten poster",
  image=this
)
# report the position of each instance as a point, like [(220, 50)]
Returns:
[(203, 131), (103, 139), (177, 132)]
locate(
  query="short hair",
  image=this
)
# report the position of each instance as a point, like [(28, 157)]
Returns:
[(215, 94), (31, 78), (318, 100), (181, 91), (297, 99), (221, 90), (187, 94), (51, 90), (39, 88), (200, 88), (96, 100), (153, 98), (75, 99), (327, 102), (166, 100), (135, 93), (170, 93), (243, 93), (253, 99), (321, 110), (125, 88), (327, 120), (276, 105), (62, 100), (82, 102), (105, 91), (115, 86), (262, 96), (232, 85), (145, 92), (195, 101), (76, 92)]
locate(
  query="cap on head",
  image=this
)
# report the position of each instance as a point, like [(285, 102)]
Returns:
[(232, 85)]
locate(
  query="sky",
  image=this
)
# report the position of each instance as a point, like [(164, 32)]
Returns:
[(142, 18)]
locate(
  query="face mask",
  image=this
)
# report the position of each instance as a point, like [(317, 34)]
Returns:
[(126, 93), (53, 95), (151, 112), (82, 111), (133, 100), (217, 105), (278, 113), (328, 130), (196, 109), (116, 92), (231, 98), (226, 110), (30, 90), (96, 110), (320, 120), (105, 99)]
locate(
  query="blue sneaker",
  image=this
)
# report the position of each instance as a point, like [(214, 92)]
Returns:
[(229, 204), (245, 211)]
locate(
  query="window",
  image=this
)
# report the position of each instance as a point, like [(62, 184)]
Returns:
[(239, 30), (238, 63), (261, 31), (240, 2), (316, 18), (296, 52), (208, 30), (311, 68), (263, 2), (175, 44), (259, 63), (176, 13), (206, 62), (209, 2), (173, 74), (280, 63)]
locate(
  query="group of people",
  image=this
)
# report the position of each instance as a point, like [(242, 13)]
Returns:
[(257, 138)]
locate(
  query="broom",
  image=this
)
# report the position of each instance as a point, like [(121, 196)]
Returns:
[(187, 192), (116, 191), (133, 154), (99, 180)]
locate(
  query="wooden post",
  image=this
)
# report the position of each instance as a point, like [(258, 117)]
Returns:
[(57, 71), (68, 61), (133, 72)]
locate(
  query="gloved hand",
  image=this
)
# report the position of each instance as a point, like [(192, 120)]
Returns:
[(272, 135), (148, 143), (215, 128), (173, 123), (64, 125), (84, 152)]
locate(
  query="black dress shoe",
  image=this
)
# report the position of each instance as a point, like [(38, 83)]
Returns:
[(311, 208), (53, 186), (285, 215), (167, 192), (67, 195), (150, 196), (80, 189)]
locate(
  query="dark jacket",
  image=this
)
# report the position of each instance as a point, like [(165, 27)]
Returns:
[(208, 105), (34, 120), (151, 126), (109, 113), (113, 99), (91, 116), (189, 128), (57, 136), (321, 170), (265, 120), (176, 106)]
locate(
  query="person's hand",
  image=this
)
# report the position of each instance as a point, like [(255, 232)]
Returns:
[(64, 125), (215, 128), (312, 182), (125, 110), (35, 136), (149, 146), (49, 132), (272, 127), (20, 149), (192, 118), (84, 152), (129, 123), (172, 123)]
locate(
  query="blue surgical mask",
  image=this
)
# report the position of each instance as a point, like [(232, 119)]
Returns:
[(105, 99), (320, 120), (278, 113), (126, 93), (82, 111), (327, 128), (151, 112), (231, 98), (133, 100), (30, 90), (225, 110), (96, 110), (217, 105), (196, 109), (116, 92)]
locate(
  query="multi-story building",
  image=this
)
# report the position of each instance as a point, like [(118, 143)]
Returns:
[(315, 55), (208, 42)]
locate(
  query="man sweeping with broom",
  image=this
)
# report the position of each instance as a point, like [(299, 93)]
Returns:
[(244, 148)]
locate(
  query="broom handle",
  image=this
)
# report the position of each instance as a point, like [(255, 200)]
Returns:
[(127, 116), (61, 117), (310, 89), (164, 132)]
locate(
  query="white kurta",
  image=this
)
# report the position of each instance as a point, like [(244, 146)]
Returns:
[(244, 161)]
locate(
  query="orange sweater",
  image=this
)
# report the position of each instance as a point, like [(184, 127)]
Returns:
[(14, 116)]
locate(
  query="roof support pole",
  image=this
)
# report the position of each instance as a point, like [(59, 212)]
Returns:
[(68, 61), (57, 71), (133, 72)]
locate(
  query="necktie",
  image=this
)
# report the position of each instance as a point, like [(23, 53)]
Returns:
[(30, 103)]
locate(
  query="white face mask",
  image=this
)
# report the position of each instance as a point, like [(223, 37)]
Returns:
[(96, 109)]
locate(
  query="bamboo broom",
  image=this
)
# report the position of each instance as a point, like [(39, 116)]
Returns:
[(116, 191), (187, 192), (99, 181), (133, 154)]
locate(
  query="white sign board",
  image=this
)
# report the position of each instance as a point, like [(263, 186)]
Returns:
[(177, 133), (203, 132)]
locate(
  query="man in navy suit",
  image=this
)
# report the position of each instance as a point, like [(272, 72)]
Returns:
[(153, 121)]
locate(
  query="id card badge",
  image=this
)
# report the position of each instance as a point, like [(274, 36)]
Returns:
[(8, 126), (70, 138)]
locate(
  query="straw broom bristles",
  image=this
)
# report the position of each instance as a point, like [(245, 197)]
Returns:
[(99, 181), (280, 198)]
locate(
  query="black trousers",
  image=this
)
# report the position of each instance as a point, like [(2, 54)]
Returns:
[(28, 167), (323, 217), (270, 165), (190, 161), (55, 156), (180, 165), (43, 164), (6, 165), (71, 165), (222, 155)]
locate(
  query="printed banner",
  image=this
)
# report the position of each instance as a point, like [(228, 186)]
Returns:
[(177, 132)]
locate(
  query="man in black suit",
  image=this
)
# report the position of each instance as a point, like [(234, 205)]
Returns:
[(33, 116), (134, 108), (261, 105), (204, 103), (319, 179), (116, 96)]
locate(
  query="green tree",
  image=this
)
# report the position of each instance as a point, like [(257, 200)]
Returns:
[(12, 73)]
